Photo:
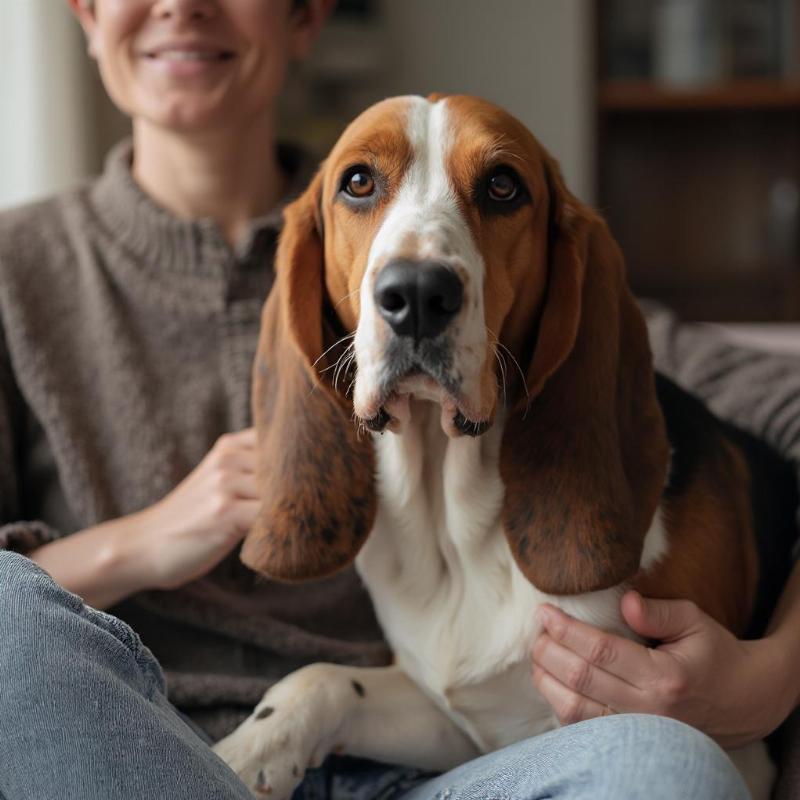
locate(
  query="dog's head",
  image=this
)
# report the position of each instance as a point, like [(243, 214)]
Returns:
[(438, 255)]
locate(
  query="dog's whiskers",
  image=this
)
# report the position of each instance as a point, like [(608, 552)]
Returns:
[(343, 363), (336, 363), (501, 363), (350, 294), (499, 344), (335, 344)]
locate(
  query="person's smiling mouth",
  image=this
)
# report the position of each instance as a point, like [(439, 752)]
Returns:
[(188, 52)]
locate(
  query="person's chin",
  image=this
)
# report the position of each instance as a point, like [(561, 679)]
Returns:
[(191, 115)]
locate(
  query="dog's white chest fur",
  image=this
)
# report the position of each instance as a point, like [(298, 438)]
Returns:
[(454, 606), (459, 616)]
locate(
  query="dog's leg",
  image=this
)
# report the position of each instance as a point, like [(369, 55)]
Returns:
[(377, 713)]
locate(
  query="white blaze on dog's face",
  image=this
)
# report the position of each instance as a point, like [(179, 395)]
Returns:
[(435, 224)]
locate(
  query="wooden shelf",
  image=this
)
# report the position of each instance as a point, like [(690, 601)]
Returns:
[(699, 183), (762, 298), (645, 96)]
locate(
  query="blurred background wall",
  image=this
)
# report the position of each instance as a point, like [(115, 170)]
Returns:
[(55, 122), (532, 58), (45, 130)]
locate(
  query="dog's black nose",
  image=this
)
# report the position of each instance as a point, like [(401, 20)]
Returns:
[(418, 298)]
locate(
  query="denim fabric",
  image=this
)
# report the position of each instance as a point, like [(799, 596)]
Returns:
[(84, 716), (622, 757), (83, 709)]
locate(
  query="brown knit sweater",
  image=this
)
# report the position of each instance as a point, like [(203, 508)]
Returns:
[(126, 342)]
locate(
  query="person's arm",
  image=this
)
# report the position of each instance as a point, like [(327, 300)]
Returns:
[(164, 546), (103, 564), (736, 691), (179, 538)]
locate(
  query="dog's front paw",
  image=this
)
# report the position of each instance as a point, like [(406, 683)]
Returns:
[(294, 727), (269, 753)]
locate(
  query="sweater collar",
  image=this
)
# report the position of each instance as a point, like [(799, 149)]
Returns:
[(196, 246)]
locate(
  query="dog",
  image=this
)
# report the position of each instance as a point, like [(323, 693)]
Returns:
[(454, 388)]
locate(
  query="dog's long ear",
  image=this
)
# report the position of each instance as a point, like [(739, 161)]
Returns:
[(584, 455), (314, 472)]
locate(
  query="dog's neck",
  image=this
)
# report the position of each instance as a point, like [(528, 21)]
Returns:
[(437, 543), (442, 495)]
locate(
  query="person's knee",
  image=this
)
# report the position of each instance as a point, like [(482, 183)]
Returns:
[(43, 622), (25, 591), (671, 758)]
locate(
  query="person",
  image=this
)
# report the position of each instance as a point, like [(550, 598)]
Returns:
[(129, 311)]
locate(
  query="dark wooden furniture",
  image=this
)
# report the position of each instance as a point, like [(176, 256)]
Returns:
[(701, 187)]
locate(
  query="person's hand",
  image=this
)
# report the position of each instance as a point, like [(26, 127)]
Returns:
[(734, 691), (199, 522)]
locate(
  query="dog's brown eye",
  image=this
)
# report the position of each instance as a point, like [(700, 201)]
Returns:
[(360, 184), (503, 187)]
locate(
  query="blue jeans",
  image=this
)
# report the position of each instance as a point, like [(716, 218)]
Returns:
[(84, 716)]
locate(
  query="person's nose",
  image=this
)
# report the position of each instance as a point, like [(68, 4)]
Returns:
[(196, 10)]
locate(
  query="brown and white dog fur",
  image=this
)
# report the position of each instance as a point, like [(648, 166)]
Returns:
[(526, 456)]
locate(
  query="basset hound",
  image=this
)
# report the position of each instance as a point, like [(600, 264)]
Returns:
[(454, 388)]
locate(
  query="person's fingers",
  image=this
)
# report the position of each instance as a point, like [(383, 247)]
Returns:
[(235, 460), (630, 661), (582, 677), (246, 438), (568, 705), (237, 485), (665, 620), (245, 515)]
